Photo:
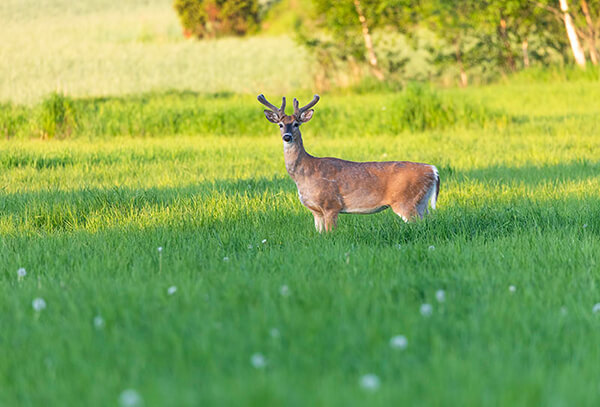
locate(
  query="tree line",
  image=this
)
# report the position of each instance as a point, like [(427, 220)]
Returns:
[(504, 35), (484, 37)]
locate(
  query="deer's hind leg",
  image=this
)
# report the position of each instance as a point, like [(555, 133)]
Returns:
[(330, 220), (406, 212)]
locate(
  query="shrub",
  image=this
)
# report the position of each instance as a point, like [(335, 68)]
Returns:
[(56, 117), (422, 108), (214, 18), (419, 108), (12, 120)]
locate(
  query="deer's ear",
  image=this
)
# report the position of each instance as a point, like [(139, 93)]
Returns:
[(306, 116), (272, 116)]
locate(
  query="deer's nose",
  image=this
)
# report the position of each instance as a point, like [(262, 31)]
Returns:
[(287, 137)]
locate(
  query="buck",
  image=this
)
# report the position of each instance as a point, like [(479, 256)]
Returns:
[(329, 186)]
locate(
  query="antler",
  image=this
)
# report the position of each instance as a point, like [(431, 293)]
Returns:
[(279, 110), (299, 111)]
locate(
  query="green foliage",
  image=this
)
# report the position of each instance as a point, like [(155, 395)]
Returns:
[(55, 117), (282, 17), (486, 38), (215, 18), (474, 41)]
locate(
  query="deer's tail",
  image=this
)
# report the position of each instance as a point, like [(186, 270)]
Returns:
[(435, 187)]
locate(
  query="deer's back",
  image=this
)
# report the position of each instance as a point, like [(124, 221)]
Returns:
[(361, 187)]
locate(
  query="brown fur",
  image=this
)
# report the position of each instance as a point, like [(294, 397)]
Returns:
[(329, 186)]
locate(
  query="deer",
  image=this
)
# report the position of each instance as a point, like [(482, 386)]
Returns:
[(329, 186)]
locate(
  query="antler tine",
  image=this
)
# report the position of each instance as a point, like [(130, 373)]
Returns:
[(301, 110), (261, 98), (281, 110)]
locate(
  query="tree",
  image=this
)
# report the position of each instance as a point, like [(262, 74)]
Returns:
[(214, 18), (593, 29), (581, 20), (487, 34), (351, 23), (371, 57), (572, 34), (455, 21), (517, 23)]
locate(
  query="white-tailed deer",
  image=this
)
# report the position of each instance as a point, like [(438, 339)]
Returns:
[(330, 186)]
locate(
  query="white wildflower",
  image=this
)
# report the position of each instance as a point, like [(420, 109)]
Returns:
[(596, 308), (130, 398), (432, 247), (440, 295), (399, 342), (512, 288), (264, 241), (171, 290), (258, 361), (98, 322), (21, 273), (38, 304), (160, 249), (225, 258), (284, 290), (426, 310), (369, 382)]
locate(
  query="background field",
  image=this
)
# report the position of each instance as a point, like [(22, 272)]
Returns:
[(159, 157), (108, 48)]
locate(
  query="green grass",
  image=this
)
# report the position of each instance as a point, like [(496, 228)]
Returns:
[(416, 108), (518, 206), (153, 141)]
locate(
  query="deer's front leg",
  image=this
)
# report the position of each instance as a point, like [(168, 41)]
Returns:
[(318, 221)]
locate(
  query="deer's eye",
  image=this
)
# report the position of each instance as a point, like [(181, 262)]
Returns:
[(296, 124), (281, 125)]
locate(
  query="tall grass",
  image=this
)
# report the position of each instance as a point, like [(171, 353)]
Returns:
[(417, 108), (558, 73)]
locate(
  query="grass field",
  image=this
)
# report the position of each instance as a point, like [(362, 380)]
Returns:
[(518, 206), (265, 311)]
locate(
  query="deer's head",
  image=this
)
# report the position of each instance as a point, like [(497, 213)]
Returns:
[(289, 125)]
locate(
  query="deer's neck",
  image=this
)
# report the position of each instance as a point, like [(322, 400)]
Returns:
[(296, 158)]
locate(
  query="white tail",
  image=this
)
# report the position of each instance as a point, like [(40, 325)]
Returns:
[(330, 186), (435, 193)]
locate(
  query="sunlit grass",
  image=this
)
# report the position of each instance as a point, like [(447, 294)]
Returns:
[(85, 216), (514, 244)]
